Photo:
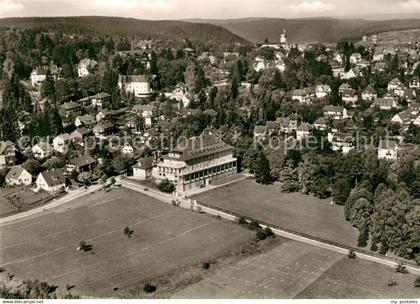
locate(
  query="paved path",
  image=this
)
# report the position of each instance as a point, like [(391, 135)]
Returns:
[(290, 235), (74, 194)]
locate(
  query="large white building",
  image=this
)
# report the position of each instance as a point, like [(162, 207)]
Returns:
[(196, 162), (139, 85)]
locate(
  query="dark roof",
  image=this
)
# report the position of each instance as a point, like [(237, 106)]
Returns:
[(195, 147), (15, 172), (84, 160), (53, 178), (145, 163)]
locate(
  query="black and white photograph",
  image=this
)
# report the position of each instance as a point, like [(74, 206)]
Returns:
[(224, 150)]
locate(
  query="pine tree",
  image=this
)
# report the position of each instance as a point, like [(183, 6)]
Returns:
[(262, 169), (364, 235)]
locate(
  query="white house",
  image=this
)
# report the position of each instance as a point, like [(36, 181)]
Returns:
[(355, 58), (139, 85), (180, 93), (350, 97), (322, 90), (18, 176), (144, 168), (85, 66), (85, 120), (305, 95), (51, 181), (396, 86), (388, 150), (61, 142), (303, 131), (335, 112), (385, 104), (127, 149), (7, 153), (39, 74), (42, 150), (369, 93), (352, 73)]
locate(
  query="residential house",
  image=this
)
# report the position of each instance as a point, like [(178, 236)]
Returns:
[(81, 135), (260, 132), (85, 67), (143, 170), (343, 88), (388, 150), (62, 142), (127, 149), (7, 153), (70, 109), (385, 103), (322, 90), (273, 127), (335, 112), (396, 86), (355, 58), (180, 93), (85, 163), (369, 93), (146, 111), (139, 85), (101, 100), (409, 96), (39, 74), (305, 95), (320, 124), (42, 150), (352, 73), (342, 142), (51, 181), (303, 131), (87, 121), (103, 129), (288, 124), (415, 83), (350, 97), (18, 176)]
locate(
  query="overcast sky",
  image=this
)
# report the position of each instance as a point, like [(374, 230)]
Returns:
[(215, 9)]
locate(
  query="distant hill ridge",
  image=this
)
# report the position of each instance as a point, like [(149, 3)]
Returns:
[(219, 31), (164, 29), (309, 29)]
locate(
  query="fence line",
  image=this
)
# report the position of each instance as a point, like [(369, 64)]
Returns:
[(311, 240)]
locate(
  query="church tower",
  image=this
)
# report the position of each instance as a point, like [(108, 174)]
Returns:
[(283, 39)]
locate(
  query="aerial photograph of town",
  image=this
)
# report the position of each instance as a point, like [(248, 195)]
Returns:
[(226, 149)]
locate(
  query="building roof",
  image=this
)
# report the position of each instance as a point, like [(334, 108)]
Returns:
[(199, 146), (84, 160), (387, 144), (101, 95), (15, 172), (4, 145), (134, 78), (143, 108), (70, 105), (86, 119), (145, 163), (53, 178)]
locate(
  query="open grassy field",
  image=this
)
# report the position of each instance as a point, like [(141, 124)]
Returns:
[(165, 238), (301, 213), (297, 270)]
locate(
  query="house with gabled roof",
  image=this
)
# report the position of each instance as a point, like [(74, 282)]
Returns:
[(335, 112), (7, 153), (18, 176), (51, 181), (388, 150), (369, 93), (139, 85), (87, 121), (303, 131), (85, 67), (322, 90), (42, 150), (85, 163), (62, 142)]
